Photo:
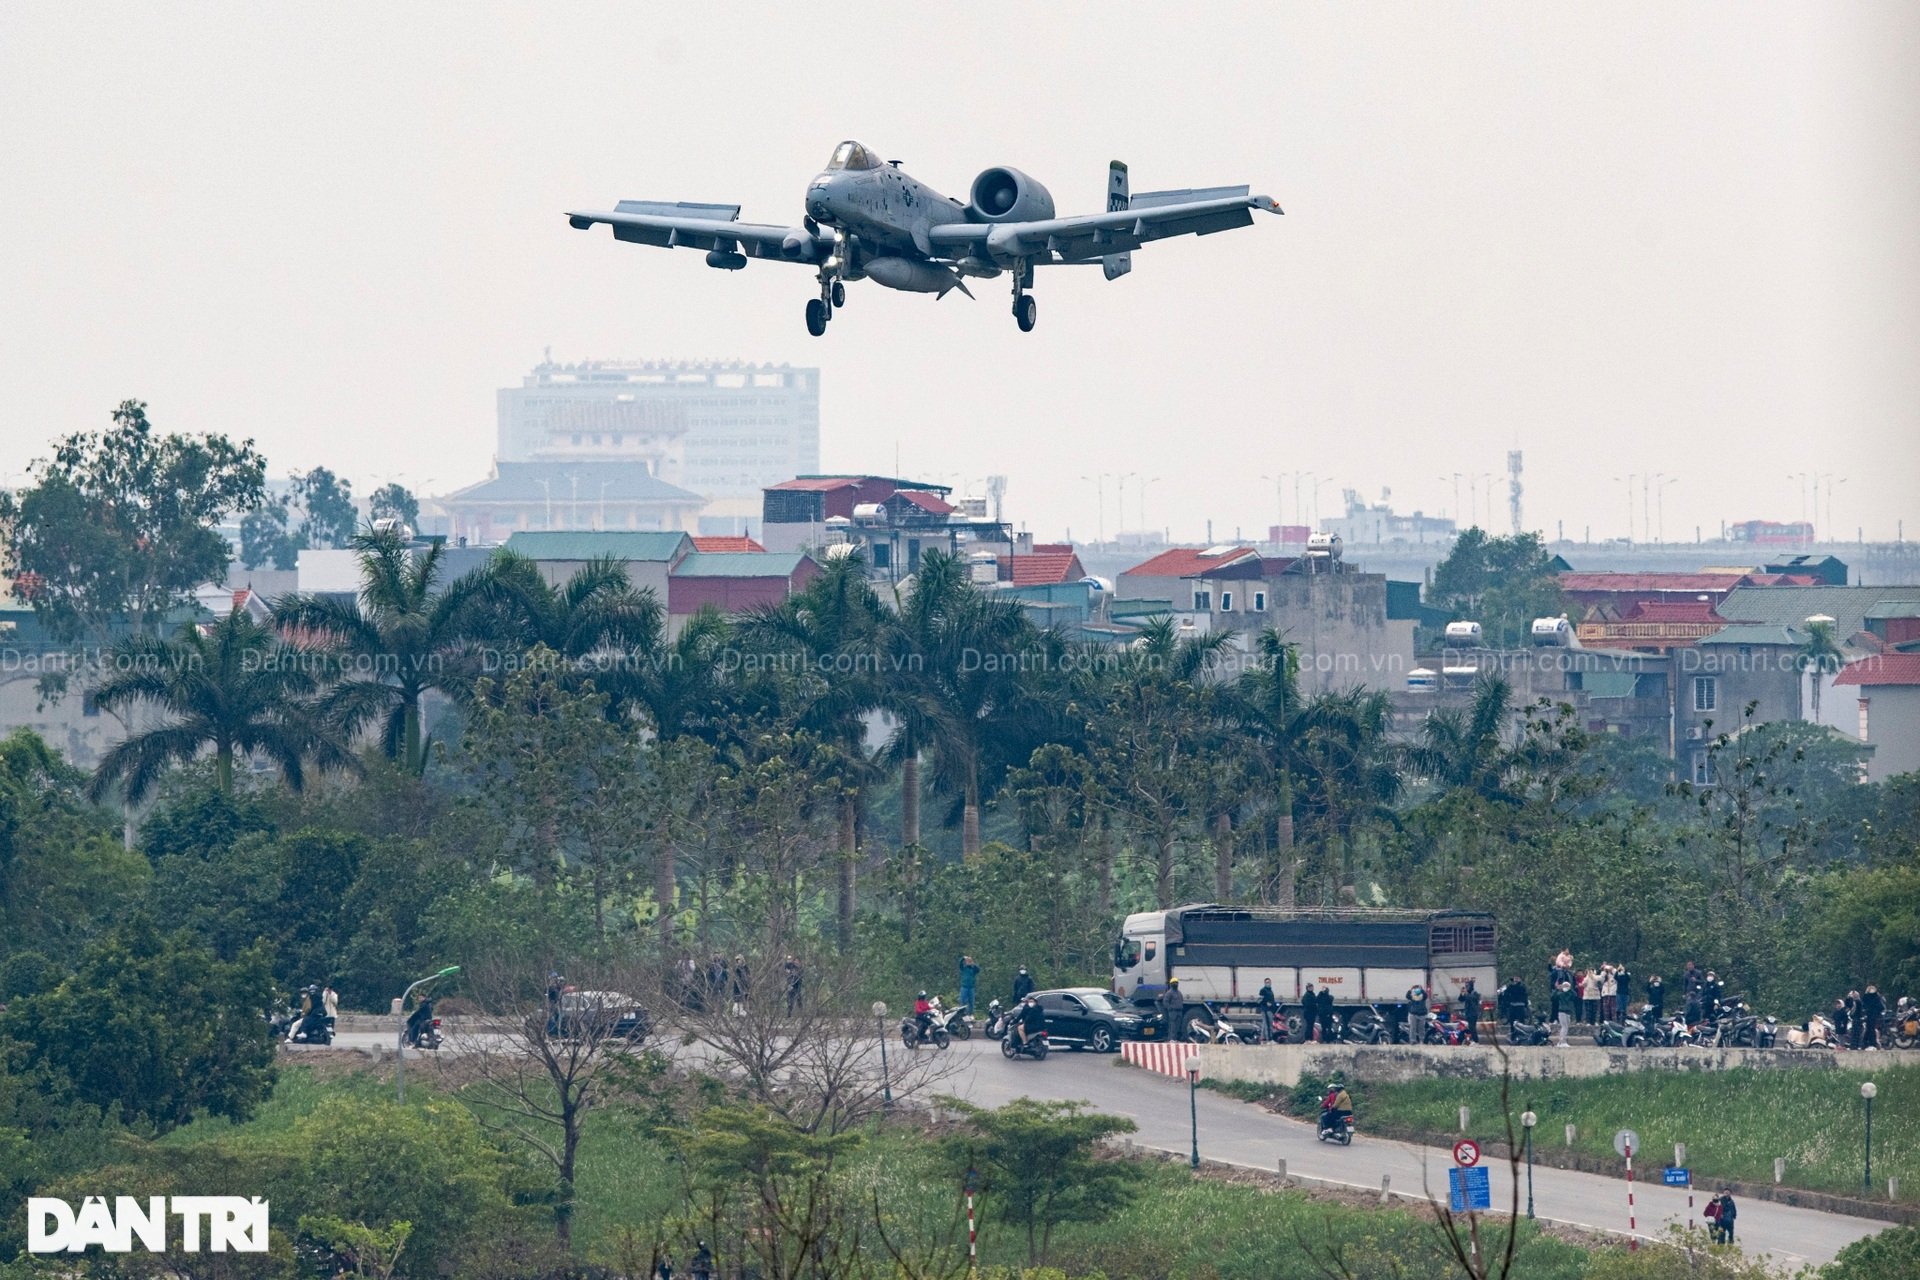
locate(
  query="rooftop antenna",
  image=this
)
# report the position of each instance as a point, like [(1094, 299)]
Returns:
[(996, 493), (1513, 489)]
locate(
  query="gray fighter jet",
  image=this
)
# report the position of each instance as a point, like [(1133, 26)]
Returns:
[(867, 219)]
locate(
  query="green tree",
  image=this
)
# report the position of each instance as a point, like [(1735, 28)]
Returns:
[(122, 526), (1039, 1166), (1893, 1254), (1468, 752), (1820, 656), (1503, 583), (152, 1028), (234, 687), (593, 621), (407, 635)]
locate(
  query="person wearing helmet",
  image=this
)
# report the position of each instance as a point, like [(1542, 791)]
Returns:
[(922, 1014), (1336, 1106), (1022, 985), (1172, 1008)]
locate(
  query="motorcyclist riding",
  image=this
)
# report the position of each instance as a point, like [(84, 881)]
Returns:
[(1032, 1020), (1335, 1107), (922, 1014), (419, 1020)]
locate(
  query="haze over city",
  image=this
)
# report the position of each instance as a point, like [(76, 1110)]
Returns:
[(339, 232)]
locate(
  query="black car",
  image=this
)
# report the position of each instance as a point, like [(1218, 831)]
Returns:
[(1088, 1018), (601, 1015)]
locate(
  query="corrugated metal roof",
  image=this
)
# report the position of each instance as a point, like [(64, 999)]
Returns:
[(587, 544), (1755, 633), (1881, 669), (739, 564), (1644, 582), (725, 542), (1792, 606)]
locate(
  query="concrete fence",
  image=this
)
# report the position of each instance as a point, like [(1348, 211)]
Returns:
[(1285, 1065)]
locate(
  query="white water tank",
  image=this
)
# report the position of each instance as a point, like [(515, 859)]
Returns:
[(984, 568), (869, 513), (1323, 546), (1464, 633), (1552, 632), (1422, 680)]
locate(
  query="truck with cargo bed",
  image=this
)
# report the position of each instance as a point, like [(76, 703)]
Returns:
[(1366, 957)]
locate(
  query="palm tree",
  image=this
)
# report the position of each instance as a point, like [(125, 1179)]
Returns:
[(233, 686), (1469, 752), (401, 638), (1820, 656), (597, 612)]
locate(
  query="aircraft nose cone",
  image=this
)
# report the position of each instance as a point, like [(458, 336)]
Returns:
[(817, 203)]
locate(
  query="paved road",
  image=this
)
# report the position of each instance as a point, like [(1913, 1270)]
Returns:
[(1242, 1134)]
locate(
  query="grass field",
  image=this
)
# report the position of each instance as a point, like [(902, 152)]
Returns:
[(1734, 1122)]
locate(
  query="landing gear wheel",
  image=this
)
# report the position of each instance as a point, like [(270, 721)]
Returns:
[(1024, 310), (816, 317), (839, 294)]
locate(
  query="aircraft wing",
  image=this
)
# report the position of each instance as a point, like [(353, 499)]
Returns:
[(1089, 237), (716, 228)]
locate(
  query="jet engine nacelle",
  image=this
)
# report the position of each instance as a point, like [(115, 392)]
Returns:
[(1007, 195)]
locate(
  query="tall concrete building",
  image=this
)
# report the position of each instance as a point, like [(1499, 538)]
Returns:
[(724, 431)]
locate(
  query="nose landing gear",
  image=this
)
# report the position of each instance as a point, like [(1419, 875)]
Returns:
[(1024, 307)]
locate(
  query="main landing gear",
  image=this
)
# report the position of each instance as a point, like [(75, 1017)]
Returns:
[(1024, 307), (833, 295)]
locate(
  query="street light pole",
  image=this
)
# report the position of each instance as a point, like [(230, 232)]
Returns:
[(400, 1035), (1193, 1105), (1527, 1120), (1867, 1090), (886, 1081)]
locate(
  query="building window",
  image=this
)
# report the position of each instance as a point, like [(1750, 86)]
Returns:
[(1706, 693), (1203, 601), (1259, 602), (1226, 602), (1702, 769)]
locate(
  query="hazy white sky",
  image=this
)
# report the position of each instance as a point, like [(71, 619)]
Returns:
[(1627, 237)]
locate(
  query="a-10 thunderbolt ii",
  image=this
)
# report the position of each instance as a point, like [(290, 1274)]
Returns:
[(867, 219)]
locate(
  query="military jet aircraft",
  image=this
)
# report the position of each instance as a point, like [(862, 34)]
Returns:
[(867, 219)]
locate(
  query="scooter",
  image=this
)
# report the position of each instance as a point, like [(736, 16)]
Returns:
[(913, 1037), (1215, 1031), (1628, 1032), (1903, 1028), (314, 1028), (1817, 1034), (1035, 1047), (1670, 1033), (957, 1021), (423, 1029), (1441, 1030), (1529, 1034), (1341, 1133), (996, 1024)]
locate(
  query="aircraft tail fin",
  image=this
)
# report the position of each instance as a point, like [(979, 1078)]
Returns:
[(1118, 197)]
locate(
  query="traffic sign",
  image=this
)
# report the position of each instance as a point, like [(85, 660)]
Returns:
[(1466, 1153), (1469, 1189), (1679, 1177), (1625, 1143)]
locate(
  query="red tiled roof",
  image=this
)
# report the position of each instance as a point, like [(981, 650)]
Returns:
[(720, 542), (1189, 562), (818, 483), (1274, 566), (1617, 582), (1671, 611), (1041, 570), (926, 501), (1881, 668)]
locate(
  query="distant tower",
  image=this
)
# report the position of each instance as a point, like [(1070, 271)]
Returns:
[(1513, 488), (996, 492)]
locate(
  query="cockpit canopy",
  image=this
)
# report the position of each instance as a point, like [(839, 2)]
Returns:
[(851, 155)]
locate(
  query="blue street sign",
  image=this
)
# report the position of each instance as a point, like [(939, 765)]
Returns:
[(1679, 1178), (1469, 1189)]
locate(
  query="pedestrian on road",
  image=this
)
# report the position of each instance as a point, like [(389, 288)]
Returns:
[(1470, 1009), (1723, 1221), (1873, 1007), (969, 979), (1022, 985), (1326, 1015), (1416, 1013), (1563, 1010), (330, 1002), (1269, 1009), (556, 983), (1309, 1013), (790, 968), (741, 984), (1172, 1008)]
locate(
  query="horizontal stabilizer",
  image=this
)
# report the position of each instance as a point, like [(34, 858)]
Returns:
[(671, 209), (1187, 195)]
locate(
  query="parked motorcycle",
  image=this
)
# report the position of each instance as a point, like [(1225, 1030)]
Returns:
[(1530, 1034), (1817, 1034), (1627, 1032), (996, 1024), (958, 1020), (1670, 1033), (1443, 1030), (1903, 1027), (1035, 1047), (1213, 1029)]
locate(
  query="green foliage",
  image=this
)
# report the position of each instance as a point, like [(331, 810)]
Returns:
[(1821, 1135), (1681, 1256), (152, 1028), (394, 501), (197, 817), (123, 524), (317, 511), (1893, 1254), (1039, 1166), (1503, 583)]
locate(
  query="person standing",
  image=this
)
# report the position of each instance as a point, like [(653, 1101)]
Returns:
[(1172, 1008), (1563, 1010), (1623, 983), (969, 980), (1873, 1007), (1416, 1013), (790, 968), (330, 1002), (1022, 985), (1656, 999), (1470, 1010), (1710, 992), (1269, 1011), (1728, 1212), (1309, 1014)]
